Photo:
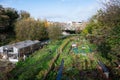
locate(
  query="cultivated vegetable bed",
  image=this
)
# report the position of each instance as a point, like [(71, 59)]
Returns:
[(76, 66)]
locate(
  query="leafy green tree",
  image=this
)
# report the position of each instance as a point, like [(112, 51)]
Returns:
[(8, 17), (105, 27), (4, 19), (54, 31), (30, 29), (110, 19), (13, 15)]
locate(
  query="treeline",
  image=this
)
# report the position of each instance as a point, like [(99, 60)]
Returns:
[(27, 28), (30, 29), (104, 29), (8, 17), (19, 25)]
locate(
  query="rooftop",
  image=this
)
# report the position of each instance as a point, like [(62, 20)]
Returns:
[(22, 44)]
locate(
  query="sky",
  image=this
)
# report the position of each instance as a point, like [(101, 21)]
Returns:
[(56, 10)]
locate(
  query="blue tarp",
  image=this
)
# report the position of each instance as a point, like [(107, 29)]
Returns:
[(75, 50), (59, 75)]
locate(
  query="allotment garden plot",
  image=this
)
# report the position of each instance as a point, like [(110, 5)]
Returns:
[(79, 62), (73, 58)]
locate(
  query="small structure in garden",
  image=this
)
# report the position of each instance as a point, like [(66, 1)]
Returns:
[(83, 47), (74, 45), (75, 48)]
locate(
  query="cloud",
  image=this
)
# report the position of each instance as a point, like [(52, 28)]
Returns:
[(85, 12)]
